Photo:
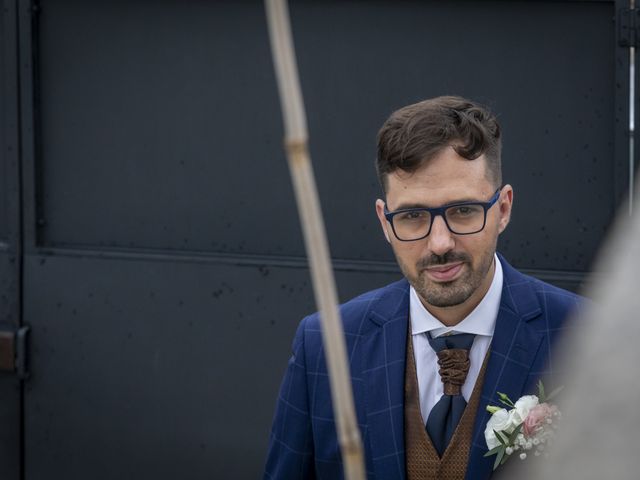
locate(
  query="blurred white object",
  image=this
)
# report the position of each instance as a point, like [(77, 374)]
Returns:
[(601, 416)]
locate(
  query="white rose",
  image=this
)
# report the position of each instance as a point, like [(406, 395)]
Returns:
[(522, 408), (499, 421)]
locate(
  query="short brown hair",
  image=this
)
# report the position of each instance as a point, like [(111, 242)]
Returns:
[(416, 133)]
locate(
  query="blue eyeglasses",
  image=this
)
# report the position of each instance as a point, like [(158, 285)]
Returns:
[(464, 218)]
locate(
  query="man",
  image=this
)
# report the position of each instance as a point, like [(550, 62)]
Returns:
[(429, 353)]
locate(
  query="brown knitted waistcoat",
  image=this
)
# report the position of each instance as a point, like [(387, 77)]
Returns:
[(422, 459)]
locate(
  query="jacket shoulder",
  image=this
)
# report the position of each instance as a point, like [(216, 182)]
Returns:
[(531, 296), (551, 293)]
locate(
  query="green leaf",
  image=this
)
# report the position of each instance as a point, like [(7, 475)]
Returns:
[(492, 409), (494, 450), (504, 398), (504, 459), (541, 396), (555, 392), (502, 438), (515, 433), (499, 457)]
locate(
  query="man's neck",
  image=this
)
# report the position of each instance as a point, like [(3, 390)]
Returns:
[(451, 316)]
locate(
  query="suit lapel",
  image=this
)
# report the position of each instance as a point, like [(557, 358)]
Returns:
[(384, 348), (513, 350)]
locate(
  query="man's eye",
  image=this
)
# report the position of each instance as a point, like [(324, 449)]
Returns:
[(464, 211), (413, 215)]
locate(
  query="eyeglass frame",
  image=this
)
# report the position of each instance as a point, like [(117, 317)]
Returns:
[(439, 211)]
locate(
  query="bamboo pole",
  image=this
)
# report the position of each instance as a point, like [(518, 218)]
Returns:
[(314, 236)]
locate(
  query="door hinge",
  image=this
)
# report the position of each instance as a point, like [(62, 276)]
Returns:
[(13, 351), (628, 23)]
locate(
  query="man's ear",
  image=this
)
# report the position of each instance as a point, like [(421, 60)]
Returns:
[(383, 220), (505, 203)]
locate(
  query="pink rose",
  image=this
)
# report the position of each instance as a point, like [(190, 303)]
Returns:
[(537, 417)]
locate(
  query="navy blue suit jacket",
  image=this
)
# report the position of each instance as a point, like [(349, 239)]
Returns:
[(303, 441)]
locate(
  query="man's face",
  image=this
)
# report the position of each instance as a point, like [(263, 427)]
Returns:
[(445, 269)]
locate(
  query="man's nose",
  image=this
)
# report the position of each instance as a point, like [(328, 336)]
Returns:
[(440, 238)]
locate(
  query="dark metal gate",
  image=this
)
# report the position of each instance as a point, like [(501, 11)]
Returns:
[(160, 266)]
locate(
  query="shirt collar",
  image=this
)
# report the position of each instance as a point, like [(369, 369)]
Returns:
[(481, 321)]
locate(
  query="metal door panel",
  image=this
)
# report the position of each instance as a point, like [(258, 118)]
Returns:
[(174, 119), (146, 119), (158, 369)]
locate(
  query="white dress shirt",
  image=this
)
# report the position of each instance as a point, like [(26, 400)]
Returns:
[(481, 322)]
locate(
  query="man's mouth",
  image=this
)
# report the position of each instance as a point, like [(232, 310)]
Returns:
[(444, 273)]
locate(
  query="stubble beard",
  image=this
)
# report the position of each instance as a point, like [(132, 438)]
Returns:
[(448, 294)]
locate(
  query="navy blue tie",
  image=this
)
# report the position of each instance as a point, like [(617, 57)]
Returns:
[(453, 359)]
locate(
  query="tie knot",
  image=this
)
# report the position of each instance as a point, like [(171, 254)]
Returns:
[(454, 366), (453, 358), (459, 340)]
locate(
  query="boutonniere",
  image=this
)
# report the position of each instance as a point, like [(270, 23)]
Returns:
[(525, 427)]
